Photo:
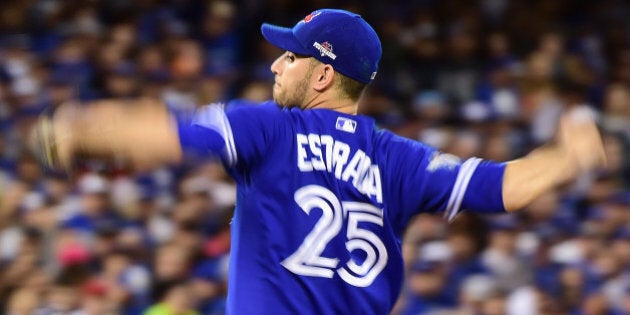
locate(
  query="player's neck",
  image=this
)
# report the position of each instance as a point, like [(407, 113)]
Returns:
[(328, 101)]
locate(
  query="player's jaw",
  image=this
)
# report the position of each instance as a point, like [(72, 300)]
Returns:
[(292, 94), (292, 76)]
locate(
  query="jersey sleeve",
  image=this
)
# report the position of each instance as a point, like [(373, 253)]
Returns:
[(240, 136), (206, 132), (427, 180), (255, 131)]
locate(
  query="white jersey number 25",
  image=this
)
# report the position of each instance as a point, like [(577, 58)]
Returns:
[(307, 260)]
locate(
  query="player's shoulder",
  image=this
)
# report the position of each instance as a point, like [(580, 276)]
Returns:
[(396, 144), (243, 105), (253, 111), (255, 116)]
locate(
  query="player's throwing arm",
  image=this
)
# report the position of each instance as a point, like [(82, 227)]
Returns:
[(141, 131)]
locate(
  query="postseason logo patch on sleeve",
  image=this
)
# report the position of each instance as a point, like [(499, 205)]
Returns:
[(443, 160), (346, 124)]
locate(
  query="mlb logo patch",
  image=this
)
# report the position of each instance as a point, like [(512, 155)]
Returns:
[(346, 124)]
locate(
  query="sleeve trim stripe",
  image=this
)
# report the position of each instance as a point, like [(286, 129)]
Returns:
[(460, 187), (213, 116), (229, 141)]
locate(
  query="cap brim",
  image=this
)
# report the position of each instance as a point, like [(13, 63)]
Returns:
[(282, 37)]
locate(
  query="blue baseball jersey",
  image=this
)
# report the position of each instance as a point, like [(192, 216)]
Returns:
[(323, 199)]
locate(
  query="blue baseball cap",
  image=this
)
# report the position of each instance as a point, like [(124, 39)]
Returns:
[(339, 38)]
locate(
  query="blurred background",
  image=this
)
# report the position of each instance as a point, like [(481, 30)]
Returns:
[(483, 78)]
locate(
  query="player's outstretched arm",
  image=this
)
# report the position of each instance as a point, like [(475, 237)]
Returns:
[(141, 131), (577, 149)]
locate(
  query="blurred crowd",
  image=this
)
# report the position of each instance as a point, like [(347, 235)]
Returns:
[(484, 78)]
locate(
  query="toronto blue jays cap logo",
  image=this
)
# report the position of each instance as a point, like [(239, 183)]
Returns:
[(309, 17)]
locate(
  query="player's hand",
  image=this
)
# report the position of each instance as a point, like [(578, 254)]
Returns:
[(51, 138), (579, 135)]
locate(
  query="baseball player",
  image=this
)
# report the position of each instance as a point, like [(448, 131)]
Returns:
[(323, 197)]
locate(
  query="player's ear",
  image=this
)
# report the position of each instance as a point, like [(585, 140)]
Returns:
[(325, 75)]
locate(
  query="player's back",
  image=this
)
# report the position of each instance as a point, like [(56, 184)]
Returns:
[(311, 233)]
